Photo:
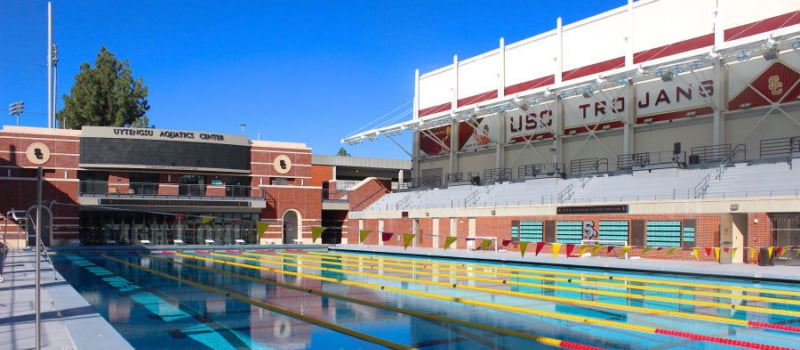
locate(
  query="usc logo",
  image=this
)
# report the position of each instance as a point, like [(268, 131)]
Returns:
[(775, 85)]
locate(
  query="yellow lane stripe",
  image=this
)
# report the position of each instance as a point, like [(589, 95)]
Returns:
[(601, 277), (570, 289), (708, 318), (331, 326), (541, 339)]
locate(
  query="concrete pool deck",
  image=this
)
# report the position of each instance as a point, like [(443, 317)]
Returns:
[(70, 322)]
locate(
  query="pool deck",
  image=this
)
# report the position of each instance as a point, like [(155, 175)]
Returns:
[(70, 322)]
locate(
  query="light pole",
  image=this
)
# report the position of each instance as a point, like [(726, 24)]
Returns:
[(243, 126), (16, 108)]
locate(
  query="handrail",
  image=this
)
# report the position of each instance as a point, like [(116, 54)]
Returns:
[(566, 194), (472, 198), (701, 187)]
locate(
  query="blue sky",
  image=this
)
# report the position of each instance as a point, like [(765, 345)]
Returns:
[(311, 72)]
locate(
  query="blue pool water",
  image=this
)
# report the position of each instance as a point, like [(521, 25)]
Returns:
[(339, 300)]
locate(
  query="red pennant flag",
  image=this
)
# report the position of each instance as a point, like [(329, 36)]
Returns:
[(539, 246), (610, 249), (726, 249), (659, 249), (506, 242), (708, 251), (570, 247), (778, 250), (385, 236)]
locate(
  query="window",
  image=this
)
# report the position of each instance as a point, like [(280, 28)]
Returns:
[(93, 182), (664, 233), (143, 183), (614, 231), (570, 232), (527, 231), (192, 185)]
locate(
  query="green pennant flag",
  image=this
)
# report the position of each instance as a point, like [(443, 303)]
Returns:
[(448, 241), (645, 250), (485, 244), (316, 232), (206, 219), (362, 235), (407, 238), (522, 247), (261, 227)]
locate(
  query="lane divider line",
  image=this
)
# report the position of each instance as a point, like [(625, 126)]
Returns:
[(549, 314), (541, 339), (311, 320)]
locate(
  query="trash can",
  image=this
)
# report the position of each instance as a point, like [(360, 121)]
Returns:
[(764, 259)]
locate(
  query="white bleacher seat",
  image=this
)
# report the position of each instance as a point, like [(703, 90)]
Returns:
[(145, 241), (240, 241), (298, 241), (210, 242), (178, 242)]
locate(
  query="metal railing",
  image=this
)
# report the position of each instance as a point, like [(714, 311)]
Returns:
[(588, 165), (779, 147), (94, 188), (529, 171)]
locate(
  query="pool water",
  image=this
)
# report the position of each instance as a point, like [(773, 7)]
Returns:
[(339, 300)]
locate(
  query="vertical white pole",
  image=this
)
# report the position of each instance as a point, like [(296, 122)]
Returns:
[(50, 94), (559, 68), (38, 269)]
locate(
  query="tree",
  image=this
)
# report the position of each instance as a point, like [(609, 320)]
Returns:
[(343, 152), (105, 95)]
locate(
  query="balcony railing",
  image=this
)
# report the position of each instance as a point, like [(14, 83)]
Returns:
[(94, 188)]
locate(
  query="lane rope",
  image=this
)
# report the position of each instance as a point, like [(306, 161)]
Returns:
[(548, 314), (311, 320)]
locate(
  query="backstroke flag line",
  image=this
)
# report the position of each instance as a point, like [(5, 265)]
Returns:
[(362, 235), (448, 241), (316, 232), (261, 227)]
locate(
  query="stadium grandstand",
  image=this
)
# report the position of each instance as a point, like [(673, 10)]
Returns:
[(631, 130)]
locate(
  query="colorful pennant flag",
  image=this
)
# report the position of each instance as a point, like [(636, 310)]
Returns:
[(626, 249), (522, 247), (506, 242), (539, 247), (486, 243), (206, 219), (316, 232), (671, 250), (570, 248), (583, 250), (783, 250), (733, 251), (752, 253), (610, 249), (716, 253), (694, 252), (407, 238), (362, 235), (261, 227), (385, 236), (645, 250), (556, 247), (769, 250), (596, 249), (708, 251), (448, 241)]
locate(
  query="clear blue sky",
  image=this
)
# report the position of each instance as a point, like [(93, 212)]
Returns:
[(298, 71)]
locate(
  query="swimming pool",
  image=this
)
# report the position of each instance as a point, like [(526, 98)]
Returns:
[(338, 300)]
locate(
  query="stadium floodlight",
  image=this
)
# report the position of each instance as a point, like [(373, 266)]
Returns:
[(796, 44), (771, 53), (16, 108)]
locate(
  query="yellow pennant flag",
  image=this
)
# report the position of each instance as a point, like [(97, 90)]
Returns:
[(316, 232), (362, 235), (485, 244), (716, 253), (752, 253), (769, 250), (206, 219), (694, 252), (785, 249), (671, 250), (626, 249), (733, 251), (522, 247), (448, 241), (596, 249), (407, 238), (583, 250), (261, 227), (646, 249), (556, 248)]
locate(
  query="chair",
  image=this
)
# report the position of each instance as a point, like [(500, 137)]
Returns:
[(145, 241), (298, 241), (210, 242), (240, 241), (178, 242)]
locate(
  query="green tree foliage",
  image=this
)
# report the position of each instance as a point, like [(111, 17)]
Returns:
[(343, 152), (105, 95)]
